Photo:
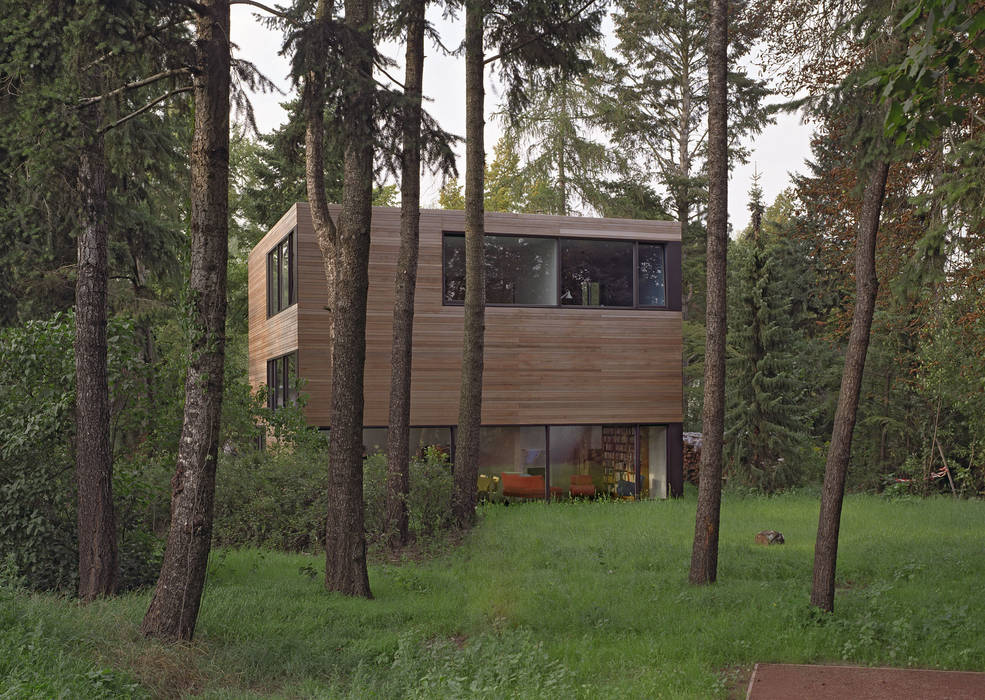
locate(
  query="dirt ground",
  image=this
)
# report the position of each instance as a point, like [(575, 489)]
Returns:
[(787, 681)]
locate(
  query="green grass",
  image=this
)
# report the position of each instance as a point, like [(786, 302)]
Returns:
[(565, 600)]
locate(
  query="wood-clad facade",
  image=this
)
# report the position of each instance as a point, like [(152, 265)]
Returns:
[(555, 365)]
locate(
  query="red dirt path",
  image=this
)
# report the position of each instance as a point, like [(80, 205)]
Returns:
[(789, 681)]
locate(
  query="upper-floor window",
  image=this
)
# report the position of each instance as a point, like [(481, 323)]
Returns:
[(542, 271), (281, 276), (282, 381), (519, 271)]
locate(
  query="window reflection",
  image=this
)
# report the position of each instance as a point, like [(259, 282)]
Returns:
[(651, 275), (596, 273)]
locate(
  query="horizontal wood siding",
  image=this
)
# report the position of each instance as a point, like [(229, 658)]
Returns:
[(567, 365), (277, 335)]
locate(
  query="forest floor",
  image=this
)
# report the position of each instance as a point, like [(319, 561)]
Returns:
[(566, 600)]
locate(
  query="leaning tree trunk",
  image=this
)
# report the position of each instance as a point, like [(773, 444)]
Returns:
[(470, 396), (345, 541), (704, 555), (98, 560), (398, 435), (836, 468), (174, 608)]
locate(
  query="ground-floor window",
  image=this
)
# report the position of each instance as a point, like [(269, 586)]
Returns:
[(622, 461)]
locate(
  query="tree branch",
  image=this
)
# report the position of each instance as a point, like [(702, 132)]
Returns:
[(132, 86), (538, 36), (275, 12), (196, 7), (149, 105)]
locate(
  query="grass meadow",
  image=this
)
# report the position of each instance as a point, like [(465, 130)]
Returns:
[(567, 600)]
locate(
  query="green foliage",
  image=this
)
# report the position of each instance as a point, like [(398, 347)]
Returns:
[(427, 503), (37, 460), (766, 421)]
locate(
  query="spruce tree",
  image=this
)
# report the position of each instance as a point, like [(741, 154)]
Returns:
[(764, 415)]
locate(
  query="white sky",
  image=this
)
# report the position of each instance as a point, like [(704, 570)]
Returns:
[(778, 151)]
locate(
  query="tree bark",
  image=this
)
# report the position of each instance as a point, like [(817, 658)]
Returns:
[(398, 435), (704, 555), (345, 540), (174, 608), (313, 105), (98, 557), (470, 395), (836, 468)]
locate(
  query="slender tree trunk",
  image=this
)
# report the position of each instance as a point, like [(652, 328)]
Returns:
[(345, 540), (98, 560), (398, 435), (174, 608), (704, 555), (313, 105), (470, 396), (836, 468)]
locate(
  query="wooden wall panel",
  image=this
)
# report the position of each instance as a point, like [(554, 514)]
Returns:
[(568, 365), (277, 335)]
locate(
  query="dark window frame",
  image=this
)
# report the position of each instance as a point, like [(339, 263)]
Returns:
[(275, 268), (274, 398), (557, 243)]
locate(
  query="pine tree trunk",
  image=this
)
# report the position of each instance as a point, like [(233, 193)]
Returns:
[(345, 540), (174, 608), (836, 468), (704, 555), (313, 106), (98, 559), (398, 435), (470, 396)]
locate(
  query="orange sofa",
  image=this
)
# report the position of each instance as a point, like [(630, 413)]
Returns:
[(581, 485), (524, 486)]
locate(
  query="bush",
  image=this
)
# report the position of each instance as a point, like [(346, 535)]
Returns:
[(277, 498), (38, 530)]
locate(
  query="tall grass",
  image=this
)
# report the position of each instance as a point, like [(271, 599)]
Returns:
[(560, 600)]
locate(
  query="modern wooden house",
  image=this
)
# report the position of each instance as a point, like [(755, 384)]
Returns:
[(583, 373)]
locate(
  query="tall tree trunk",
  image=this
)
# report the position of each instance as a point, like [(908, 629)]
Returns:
[(398, 435), (836, 468), (345, 540), (313, 105), (98, 560), (470, 395), (704, 555), (174, 608)]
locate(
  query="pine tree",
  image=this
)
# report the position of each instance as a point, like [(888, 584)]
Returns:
[(765, 424)]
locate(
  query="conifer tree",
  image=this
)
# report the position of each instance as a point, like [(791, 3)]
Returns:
[(764, 414)]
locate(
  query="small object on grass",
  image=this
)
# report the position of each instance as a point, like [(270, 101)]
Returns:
[(769, 537)]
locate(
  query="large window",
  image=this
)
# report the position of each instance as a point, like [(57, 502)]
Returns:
[(576, 272), (281, 276), (520, 271), (596, 273), (282, 381)]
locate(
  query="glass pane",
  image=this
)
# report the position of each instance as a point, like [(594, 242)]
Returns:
[(653, 461), (619, 459), (271, 283), (521, 270), (576, 451), (651, 271), (292, 379), (374, 440), (279, 395), (515, 450), (285, 275), (454, 267), (596, 273), (423, 438)]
